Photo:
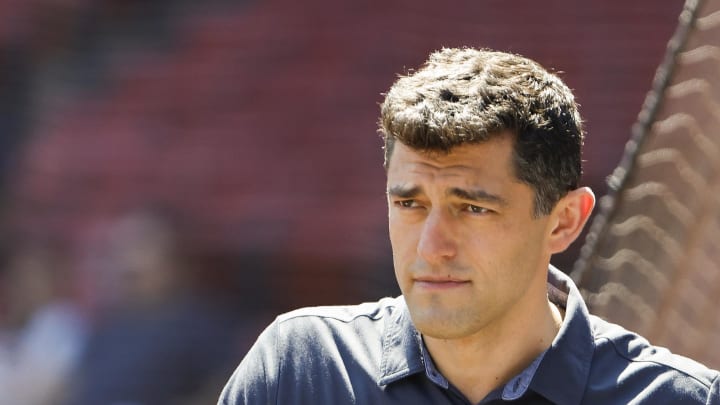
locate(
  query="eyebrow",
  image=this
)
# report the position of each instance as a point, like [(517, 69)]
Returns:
[(477, 195), (401, 191)]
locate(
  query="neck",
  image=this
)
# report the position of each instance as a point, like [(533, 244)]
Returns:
[(486, 360)]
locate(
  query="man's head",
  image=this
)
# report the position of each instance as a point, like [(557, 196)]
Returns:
[(467, 96), (483, 161)]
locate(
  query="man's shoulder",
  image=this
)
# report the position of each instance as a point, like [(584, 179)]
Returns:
[(330, 355), (346, 330), (343, 313), (631, 360)]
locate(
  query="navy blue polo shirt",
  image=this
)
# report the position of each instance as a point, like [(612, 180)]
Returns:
[(372, 354)]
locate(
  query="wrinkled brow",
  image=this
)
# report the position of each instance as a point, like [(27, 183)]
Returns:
[(403, 191), (478, 195)]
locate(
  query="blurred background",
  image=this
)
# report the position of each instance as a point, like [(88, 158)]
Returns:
[(173, 174)]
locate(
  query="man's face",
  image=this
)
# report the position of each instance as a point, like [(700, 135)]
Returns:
[(468, 253)]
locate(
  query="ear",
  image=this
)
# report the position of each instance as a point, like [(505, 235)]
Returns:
[(569, 217)]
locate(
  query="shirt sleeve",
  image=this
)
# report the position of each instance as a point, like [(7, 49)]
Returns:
[(255, 381)]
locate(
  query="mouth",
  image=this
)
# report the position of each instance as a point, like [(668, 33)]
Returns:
[(435, 283)]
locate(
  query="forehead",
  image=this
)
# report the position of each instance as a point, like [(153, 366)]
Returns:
[(488, 160)]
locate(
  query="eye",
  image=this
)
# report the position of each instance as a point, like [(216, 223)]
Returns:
[(406, 203), (476, 209)]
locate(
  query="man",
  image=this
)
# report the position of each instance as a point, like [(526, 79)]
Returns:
[(483, 159)]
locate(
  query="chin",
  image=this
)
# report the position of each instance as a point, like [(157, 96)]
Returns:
[(442, 333), (439, 325), (452, 322)]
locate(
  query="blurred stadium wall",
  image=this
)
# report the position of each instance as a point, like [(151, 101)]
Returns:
[(254, 122)]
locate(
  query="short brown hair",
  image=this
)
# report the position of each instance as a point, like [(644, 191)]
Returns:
[(464, 96)]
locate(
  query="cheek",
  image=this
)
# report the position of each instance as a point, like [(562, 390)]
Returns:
[(400, 249), (524, 254), (393, 233), (402, 234), (403, 242), (500, 246)]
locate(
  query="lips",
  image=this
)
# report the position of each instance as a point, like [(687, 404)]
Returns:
[(439, 283), (439, 279)]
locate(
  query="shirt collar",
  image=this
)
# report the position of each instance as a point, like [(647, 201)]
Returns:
[(564, 371), (513, 389), (559, 374), (401, 353)]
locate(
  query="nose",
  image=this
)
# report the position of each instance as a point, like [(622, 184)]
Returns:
[(437, 242)]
